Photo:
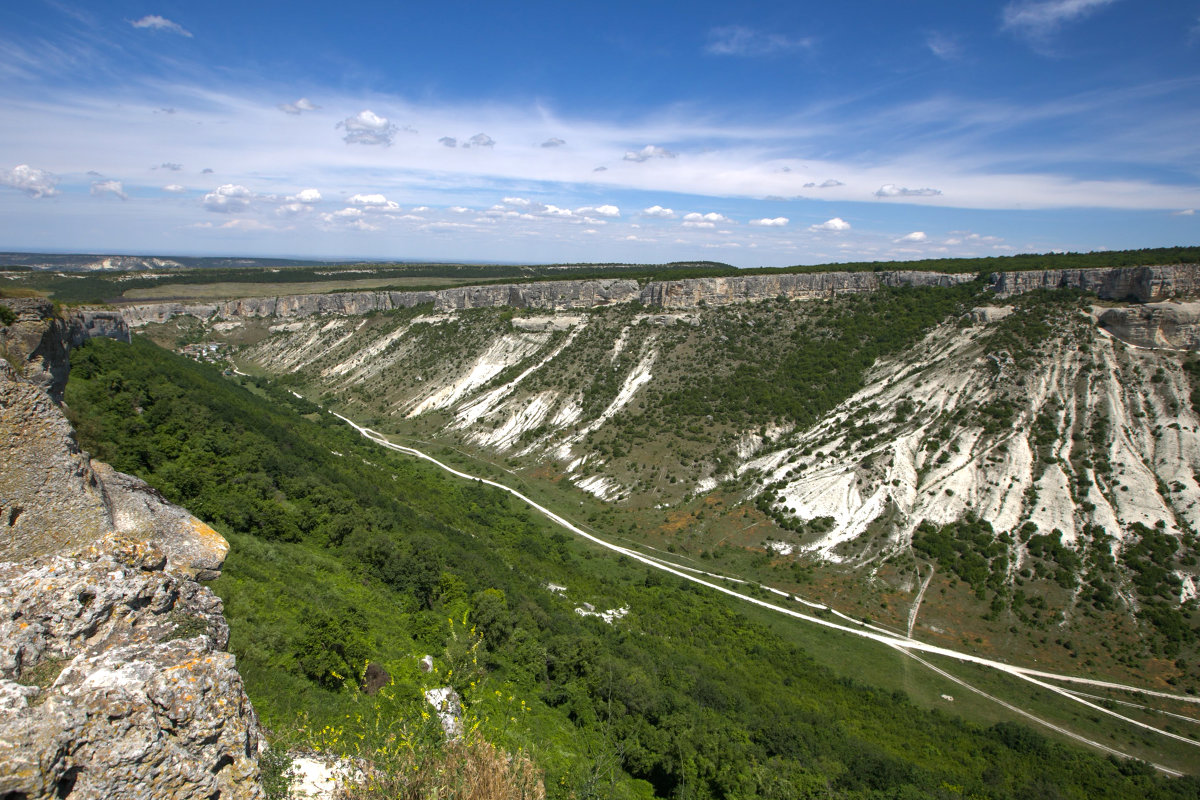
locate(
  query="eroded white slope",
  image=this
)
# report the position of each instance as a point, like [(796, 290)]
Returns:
[(941, 460)]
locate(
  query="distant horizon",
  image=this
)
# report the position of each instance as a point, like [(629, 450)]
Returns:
[(766, 134), (351, 260)]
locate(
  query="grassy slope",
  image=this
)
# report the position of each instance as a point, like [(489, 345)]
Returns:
[(344, 553)]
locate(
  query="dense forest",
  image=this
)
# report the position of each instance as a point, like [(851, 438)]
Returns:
[(344, 554)]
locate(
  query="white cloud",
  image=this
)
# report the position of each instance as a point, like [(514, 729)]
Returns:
[(1042, 17), (448, 141), (306, 196), (367, 127), (246, 225), (30, 180), (553, 141), (646, 153), (174, 188), (480, 140), (303, 104), (228, 198), (892, 190), (835, 224), (711, 216), (915, 236), (517, 202), (114, 188), (371, 200), (601, 211), (777, 222), (1187, 212), (827, 184), (156, 23), (658, 211), (292, 209), (944, 46), (344, 214), (735, 40), (695, 224)]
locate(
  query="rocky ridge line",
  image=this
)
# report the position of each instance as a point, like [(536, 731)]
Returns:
[(1141, 284)]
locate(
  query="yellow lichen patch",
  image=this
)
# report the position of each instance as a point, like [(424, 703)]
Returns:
[(208, 536)]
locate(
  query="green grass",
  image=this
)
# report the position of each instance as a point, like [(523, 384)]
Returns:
[(368, 555)]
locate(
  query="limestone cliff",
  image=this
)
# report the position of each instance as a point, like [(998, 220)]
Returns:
[(1172, 325), (1136, 284), (1140, 284), (113, 679)]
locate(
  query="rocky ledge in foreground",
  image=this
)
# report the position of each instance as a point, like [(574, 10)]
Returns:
[(114, 682)]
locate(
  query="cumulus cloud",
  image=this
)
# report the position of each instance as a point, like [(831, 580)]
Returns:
[(307, 196), (658, 211), (553, 141), (892, 190), (228, 198), (915, 236), (367, 127), (480, 140), (368, 200), (835, 224), (609, 211), (30, 180), (646, 153), (1043, 17), (735, 40), (448, 141), (766, 222), (114, 188), (170, 165), (156, 23), (301, 105), (711, 216), (691, 223), (174, 188), (829, 184)]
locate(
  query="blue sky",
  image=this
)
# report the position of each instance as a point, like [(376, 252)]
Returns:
[(756, 134)]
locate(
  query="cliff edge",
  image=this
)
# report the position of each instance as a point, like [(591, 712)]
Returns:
[(114, 680)]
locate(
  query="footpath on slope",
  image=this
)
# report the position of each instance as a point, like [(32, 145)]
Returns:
[(860, 629)]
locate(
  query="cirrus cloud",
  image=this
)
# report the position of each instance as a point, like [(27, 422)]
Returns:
[(301, 105), (892, 190), (648, 152), (100, 188), (156, 23)]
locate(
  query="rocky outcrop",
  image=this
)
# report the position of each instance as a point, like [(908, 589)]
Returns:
[(114, 682), (53, 497), (37, 342), (695, 292), (1132, 284), (1171, 325)]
